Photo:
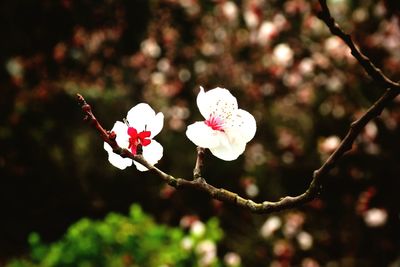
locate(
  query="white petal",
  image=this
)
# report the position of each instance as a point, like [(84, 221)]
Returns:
[(152, 153), (241, 127), (156, 124), (140, 167), (140, 115), (217, 101), (228, 152), (121, 130), (116, 159), (203, 136)]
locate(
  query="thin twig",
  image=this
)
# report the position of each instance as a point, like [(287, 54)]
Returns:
[(373, 71), (199, 163)]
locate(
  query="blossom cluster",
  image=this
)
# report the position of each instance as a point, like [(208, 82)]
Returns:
[(225, 130)]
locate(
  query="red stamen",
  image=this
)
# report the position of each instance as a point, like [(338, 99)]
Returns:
[(136, 138), (215, 123)]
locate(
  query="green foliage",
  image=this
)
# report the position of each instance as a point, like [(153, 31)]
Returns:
[(118, 240)]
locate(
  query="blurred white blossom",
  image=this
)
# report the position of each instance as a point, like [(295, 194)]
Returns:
[(329, 144), (232, 259), (197, 229), (305, 240), (150, 48), (187, 243), (375, 217), (207, 251), (283, 55), (272, 224), (230, 10)]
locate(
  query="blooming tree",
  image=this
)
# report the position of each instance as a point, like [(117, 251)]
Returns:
[(303, 85), (226, 129)]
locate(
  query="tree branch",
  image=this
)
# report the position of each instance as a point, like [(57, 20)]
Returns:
[(312, 192), (373, 71), (227, 196)]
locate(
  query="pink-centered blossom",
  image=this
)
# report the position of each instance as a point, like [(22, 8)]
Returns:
[(226, 128), (137, 131)]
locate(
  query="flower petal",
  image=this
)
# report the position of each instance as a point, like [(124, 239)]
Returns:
[(156, 124), (217, 102), (145, 142), (144, 134), (241, 127), (116, 159), (121, 130), (139, 116), (228, 152), (204, 136), (152, 153), (132, 132)]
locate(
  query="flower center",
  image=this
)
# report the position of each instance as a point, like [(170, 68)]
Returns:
[(216, 123), (136, 139)]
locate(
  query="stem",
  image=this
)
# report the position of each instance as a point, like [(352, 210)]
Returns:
[(199, 163)]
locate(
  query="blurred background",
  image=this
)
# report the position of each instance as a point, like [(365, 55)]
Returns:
[(300, 82)]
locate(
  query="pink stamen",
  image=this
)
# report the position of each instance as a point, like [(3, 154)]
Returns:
[(215, 123)]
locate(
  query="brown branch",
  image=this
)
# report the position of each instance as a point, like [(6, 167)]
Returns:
[(227, 196), (287, 202), (373, 71), (199, 163)]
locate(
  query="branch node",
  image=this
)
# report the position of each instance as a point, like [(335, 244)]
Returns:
[(112, 135), (353, 125), (86, 108), (172, 181), (200, 180)]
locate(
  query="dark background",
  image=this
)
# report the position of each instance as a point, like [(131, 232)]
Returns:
[(53, 169)]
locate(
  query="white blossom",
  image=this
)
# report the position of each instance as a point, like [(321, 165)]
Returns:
[(207, 251), (305, 240), (150, 48), (283, 55), (139, 128), (329, 144), (375, 217), (266, 32), (197, 229), (232, 259), (272, 224), (230, 10), (226, 129), (187, 243)]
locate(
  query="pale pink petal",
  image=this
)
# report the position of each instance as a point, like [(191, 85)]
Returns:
[(228, 152), (241, 127), (139, 116), (116, 159), (121, 130), (152, 153), (216, 102), (156, 124), (203, 136)]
